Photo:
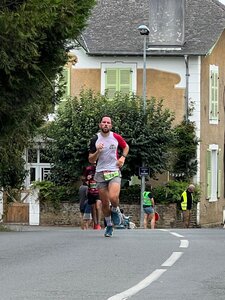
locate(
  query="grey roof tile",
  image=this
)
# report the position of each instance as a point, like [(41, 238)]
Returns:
[(112, 27)]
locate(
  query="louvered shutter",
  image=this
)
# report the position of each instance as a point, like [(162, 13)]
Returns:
[(219, 165), (125, 81), (214, 94), (111, 82), (208, 174), (66, 81)]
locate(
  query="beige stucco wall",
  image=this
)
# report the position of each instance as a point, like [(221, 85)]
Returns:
[(85, 79), (211, 212), (158, 84), (161, 85)]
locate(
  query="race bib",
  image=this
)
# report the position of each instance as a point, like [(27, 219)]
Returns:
[(110, 174), (93, 185)]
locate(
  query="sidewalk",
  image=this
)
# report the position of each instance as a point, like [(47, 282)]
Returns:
[(24, 227)]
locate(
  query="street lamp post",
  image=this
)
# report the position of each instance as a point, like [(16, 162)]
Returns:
[(144, 30)]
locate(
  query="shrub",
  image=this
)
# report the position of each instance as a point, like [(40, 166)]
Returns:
[(171, 192), (53, 194), (131, 194)]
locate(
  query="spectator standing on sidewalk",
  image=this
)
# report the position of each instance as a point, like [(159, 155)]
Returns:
[(186, 204), (148, 207)]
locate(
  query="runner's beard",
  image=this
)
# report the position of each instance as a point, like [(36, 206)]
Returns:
[(105, 130)]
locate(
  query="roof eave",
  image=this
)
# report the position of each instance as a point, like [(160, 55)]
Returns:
[(148, 53)]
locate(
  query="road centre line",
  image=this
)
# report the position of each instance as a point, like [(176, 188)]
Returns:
[(155, 274), (140, 286), (176, 234), (184, 243), (172, 259)]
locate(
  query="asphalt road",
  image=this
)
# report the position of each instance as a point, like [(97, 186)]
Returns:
[(67, 263)]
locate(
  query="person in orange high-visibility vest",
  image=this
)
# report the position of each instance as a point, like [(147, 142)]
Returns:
[(186, 205)]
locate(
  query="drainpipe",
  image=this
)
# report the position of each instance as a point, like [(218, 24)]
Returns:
[(1, 205), (223, 218), (186, 60), (198, 214)]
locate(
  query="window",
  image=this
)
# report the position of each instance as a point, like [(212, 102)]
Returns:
[(32, 175), (213, 94), (32, 156), (118, 80), (45, 172), (44, 157), (213, 175), (38, 165), (118, 77)]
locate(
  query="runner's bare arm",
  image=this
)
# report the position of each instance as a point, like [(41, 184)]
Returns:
[(94, 156), (121, 160)]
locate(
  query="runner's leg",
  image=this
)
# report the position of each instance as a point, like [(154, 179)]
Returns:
[(98, 206), (113, 193), (94, 214), (104, 196)]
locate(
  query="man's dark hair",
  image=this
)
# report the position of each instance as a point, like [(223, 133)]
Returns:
[(106, 116)]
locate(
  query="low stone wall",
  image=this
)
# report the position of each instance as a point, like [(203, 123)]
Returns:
[(69, 214)]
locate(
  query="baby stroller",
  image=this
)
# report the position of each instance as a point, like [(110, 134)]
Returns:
[(125, 221)]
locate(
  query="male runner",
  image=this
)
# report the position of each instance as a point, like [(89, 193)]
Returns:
[(104, 149)]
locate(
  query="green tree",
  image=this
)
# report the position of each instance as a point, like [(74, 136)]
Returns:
[(149, 136), (33, 50), (12, 169), (33, 46), (184, 164)]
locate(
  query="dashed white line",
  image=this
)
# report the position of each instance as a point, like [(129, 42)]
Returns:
[(172, 259), (176, 234), (140, 286), (184, 243), (154, 275)]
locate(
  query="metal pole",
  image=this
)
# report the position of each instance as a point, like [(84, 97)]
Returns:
[(186, 59), (144, 76), (144, 110)]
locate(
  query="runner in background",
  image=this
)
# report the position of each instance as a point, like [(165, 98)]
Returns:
[(93, 196), (85, 209)]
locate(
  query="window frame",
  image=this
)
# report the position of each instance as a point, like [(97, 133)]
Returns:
[(213, 94), (119, 66), (213, 173)]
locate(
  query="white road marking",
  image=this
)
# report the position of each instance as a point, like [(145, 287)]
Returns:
[(154, 275), (176, 234), (172, 259), (140, 286), (184, 243)]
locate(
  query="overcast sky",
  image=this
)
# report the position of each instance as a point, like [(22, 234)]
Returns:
[(222, 1)]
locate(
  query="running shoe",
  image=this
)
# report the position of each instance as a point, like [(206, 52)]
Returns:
[(116, 217), (97, 227), (108, 231)]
